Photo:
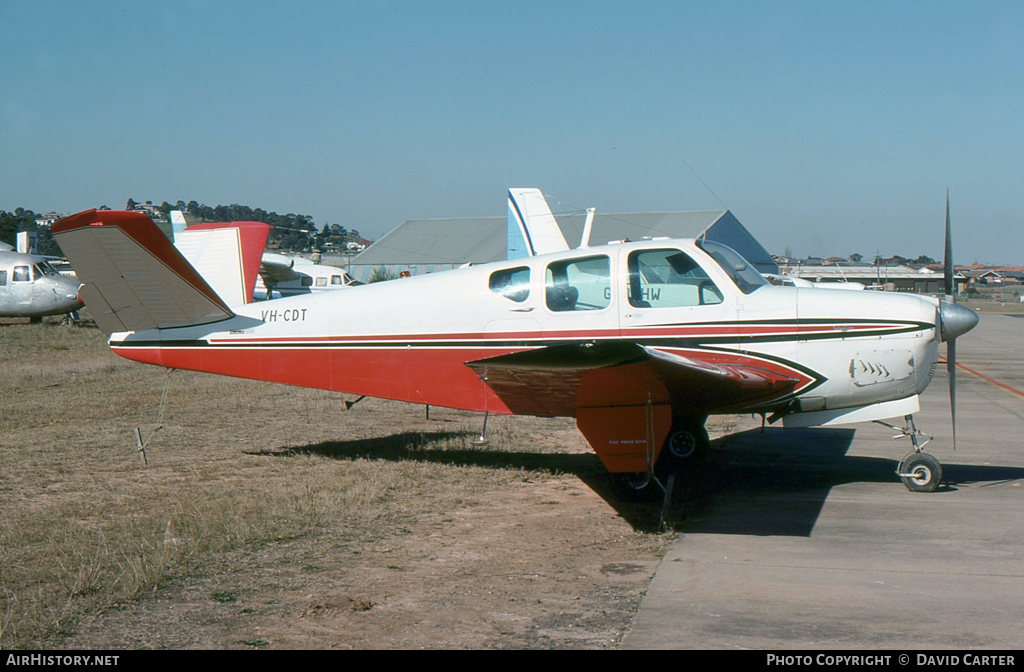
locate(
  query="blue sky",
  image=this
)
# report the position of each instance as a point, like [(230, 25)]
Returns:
[(826, 127)]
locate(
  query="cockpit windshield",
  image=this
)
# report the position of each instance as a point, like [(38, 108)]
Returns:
[(740, 270), (44, 268)]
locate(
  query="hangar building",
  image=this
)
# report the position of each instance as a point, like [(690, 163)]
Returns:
[(421, 246)]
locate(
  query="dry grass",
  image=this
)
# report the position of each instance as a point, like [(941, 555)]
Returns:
[(995, 299), (238, 467)]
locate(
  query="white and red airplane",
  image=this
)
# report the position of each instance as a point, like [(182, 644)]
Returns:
[(639, 341)]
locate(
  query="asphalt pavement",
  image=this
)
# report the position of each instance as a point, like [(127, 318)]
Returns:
[(807, 539)]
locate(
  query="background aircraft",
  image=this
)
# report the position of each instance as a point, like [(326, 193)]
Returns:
[(640, 341), (30, 287), (289, 276)]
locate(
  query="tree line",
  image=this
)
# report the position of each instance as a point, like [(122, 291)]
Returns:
[(290, 232), (25, 220)]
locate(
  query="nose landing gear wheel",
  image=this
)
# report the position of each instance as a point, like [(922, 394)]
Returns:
[(920, 472)]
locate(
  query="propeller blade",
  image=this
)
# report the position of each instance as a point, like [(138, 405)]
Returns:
[(947, 270), (951, 370), (954, 320)]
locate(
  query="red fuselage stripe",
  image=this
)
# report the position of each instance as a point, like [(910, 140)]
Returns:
[(697, 332)]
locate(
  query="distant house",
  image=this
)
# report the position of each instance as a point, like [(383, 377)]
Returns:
[(984, 277), (153, 211), (49, 219)]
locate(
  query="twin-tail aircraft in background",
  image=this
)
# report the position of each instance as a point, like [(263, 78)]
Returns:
[(30, 287), (638, 341)]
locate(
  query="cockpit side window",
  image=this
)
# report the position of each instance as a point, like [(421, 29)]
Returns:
[(512, 283), (578, 284), (21, 274), (669, 278)]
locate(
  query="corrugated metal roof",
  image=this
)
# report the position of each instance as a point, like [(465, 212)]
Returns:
[(484, 239), (637, 225), (439, 241)]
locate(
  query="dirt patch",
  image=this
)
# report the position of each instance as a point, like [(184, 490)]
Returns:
[(268, 516)]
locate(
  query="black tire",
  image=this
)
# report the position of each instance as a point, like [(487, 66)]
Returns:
[(685, 446), (636, 487), (926, 470)]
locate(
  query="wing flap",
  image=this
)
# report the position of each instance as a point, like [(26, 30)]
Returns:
[(546, 381)]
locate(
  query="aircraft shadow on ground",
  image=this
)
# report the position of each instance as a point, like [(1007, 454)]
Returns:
[(773, 482), (767, 483), (456, 449), (776, 482), (419, 447)]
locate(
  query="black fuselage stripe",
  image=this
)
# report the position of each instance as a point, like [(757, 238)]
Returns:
[(663, 341)]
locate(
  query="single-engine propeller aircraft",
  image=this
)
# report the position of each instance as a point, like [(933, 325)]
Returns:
[(638, 341), (30, 287)]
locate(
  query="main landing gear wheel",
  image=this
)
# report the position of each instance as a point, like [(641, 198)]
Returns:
[(920, 472), (635, 486), (685, 446)]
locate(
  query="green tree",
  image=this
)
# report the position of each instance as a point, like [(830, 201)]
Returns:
[(381, 274)]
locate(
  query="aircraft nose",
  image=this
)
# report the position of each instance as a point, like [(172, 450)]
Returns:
[(72, 290), (955, 320)]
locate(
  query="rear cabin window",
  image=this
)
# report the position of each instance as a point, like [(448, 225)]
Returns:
[(512, 283), (3, 278), (321, 282), (307, 281), (669, 279), (578, 284)]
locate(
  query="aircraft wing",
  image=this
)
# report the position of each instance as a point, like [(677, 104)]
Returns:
[(559, 380), (277, 268), (133, 277)]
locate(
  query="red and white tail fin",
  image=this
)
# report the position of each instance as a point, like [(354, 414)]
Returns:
[(227, 256), (133, 277)]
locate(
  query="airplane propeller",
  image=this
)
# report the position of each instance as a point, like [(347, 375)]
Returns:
[(954, 319)]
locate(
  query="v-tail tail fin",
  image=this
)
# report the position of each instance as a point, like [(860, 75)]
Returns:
[(133, 277)]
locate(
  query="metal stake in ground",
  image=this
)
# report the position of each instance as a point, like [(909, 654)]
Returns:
[(139, 443)]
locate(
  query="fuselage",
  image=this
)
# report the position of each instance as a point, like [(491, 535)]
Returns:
[(410, 338), (30, 287), (299, 276)]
